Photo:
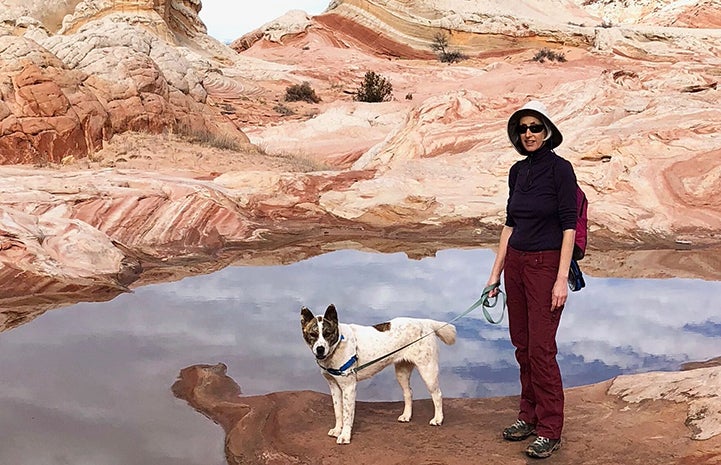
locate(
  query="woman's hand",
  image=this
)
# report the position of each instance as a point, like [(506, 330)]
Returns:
[(495, 282), (559, 294)]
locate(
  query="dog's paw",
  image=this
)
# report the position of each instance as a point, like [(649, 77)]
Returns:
[(343, 439), (436, 421), (335, 432), (404, 418)]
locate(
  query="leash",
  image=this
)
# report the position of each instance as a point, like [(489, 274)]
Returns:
[(486, 304), (482, 301)]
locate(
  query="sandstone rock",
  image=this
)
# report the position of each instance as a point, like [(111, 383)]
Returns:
[(637, 131), (49, 260), (114, 67), (600, 428), (697, 388), (46, 112), (666, 13)]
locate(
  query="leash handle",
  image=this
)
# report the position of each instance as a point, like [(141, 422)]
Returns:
[(486, 303)]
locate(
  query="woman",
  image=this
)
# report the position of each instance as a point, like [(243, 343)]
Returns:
[(534, 255)]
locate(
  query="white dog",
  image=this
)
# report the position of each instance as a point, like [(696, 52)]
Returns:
[(341, 349)]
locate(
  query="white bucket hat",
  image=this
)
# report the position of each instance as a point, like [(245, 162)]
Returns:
[(535, 108)]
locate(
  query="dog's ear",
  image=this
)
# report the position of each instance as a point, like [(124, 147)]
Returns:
[(331, 314), (305, 316)]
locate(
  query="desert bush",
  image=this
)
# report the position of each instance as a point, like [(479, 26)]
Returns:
[(623, 73), (452, 56), (374, 88), (301, 93), (547, 54), (283, 110), (440, 46)]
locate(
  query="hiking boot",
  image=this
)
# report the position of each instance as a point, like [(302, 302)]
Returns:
[(519, 431), (542, 447)]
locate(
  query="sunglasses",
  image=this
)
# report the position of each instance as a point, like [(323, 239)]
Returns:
[(535, 128)]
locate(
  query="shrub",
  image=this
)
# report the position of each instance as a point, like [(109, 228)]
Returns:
[(301, 92), (283, 110), (440, 46), (547, 54), (452, 57), (374, 88)]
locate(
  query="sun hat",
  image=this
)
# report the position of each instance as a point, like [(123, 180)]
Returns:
[(533, 108)]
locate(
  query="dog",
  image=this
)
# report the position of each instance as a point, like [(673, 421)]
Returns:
[(343, 350)]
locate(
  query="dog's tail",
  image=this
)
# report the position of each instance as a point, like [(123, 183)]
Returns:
[(446, 332)]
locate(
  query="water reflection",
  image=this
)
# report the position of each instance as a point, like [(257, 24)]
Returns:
[(91, 383)]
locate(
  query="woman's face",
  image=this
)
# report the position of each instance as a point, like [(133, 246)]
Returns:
[(531, 141)]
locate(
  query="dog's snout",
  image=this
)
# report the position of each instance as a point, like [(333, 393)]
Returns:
[(320, 351)]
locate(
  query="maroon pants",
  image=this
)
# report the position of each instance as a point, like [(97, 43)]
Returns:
[(529, 278)]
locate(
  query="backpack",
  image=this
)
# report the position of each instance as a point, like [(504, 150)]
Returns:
[(575, 275), (579, 248)]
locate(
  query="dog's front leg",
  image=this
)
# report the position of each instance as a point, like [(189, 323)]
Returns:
[(348, 386), (337, 396)]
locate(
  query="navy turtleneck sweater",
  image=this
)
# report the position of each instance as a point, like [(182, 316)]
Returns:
[(541, 201)]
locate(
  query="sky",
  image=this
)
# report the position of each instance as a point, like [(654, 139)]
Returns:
[(227, 20)]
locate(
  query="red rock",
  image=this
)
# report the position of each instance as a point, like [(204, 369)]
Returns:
[(291, 428)]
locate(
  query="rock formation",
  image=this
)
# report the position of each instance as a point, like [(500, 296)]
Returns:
[(632, 419), (112, 66), (635, 98)]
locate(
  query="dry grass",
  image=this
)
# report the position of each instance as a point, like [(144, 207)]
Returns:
[(299, 161), (211, 139)]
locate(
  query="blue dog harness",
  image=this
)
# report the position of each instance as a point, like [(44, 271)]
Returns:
[(340, 371)]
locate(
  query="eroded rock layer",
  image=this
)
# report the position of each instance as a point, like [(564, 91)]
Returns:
[(80, 83)]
